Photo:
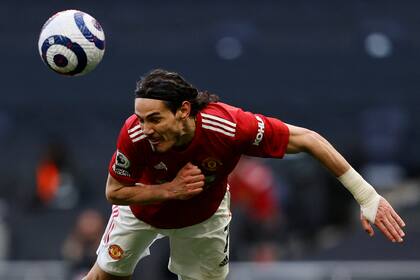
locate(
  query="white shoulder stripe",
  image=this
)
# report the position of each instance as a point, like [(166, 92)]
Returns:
[(134, 134), (134, 128), (218, 130), (139, 138), (218, 119), (228, 128)]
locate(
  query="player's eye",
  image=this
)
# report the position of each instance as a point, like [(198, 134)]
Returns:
[(155, 120)]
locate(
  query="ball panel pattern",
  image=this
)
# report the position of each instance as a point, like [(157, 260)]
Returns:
[(73, 53), (83, 27)]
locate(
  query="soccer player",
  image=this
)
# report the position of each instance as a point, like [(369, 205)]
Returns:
[(168, 177)]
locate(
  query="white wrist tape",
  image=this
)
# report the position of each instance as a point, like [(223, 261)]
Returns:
[(363, 192)]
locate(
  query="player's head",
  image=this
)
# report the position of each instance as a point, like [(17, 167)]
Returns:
[(173, 89), (165, 103)]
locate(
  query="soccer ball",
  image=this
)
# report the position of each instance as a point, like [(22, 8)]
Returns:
[(71, 43)]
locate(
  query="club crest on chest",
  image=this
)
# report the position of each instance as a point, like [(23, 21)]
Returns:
[(211, 164)]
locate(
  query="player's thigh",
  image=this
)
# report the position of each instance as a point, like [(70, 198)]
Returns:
[(201, 258), (96, 273), (201, 251), (126, 240)]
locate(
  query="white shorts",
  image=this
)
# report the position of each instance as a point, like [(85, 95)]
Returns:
[(198, 252)]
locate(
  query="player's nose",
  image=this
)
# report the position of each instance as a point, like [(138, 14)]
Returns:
[(148, 129)]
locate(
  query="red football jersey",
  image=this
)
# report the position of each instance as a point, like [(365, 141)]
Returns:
[(223, 133)]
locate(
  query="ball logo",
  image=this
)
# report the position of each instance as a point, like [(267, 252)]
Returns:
[(96, 24), (115, 252), (88, 34), (211, 164)]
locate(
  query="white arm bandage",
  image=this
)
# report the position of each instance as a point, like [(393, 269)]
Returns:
[(363, 192)]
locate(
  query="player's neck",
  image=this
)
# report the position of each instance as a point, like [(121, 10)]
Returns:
[(187, 133)]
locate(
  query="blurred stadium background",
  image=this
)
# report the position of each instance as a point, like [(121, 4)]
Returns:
[(347, 69)]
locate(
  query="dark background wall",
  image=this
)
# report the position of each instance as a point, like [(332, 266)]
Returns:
[(305, 62)]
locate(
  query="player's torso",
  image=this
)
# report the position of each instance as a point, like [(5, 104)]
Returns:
[(212, 151)]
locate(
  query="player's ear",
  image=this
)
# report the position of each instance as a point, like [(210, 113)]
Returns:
[(185, 110)]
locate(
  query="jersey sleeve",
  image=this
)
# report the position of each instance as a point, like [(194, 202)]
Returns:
[(261, 136), (125, 165)]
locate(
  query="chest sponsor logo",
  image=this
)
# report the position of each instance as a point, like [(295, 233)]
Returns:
[(260, 132), (160, 166), (211, 164)]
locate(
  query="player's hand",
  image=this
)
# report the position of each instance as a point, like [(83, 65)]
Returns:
[(188, 182), (387, 220)]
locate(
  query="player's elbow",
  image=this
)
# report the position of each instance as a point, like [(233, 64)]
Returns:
[(311, 140), (115, 198), (113, 191), (110, 195), (303, 140)]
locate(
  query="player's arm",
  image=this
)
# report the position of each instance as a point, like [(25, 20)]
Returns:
[(375, 209), (188, 183)]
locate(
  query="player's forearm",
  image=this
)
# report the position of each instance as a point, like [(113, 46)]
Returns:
[(188, 183), (119, 194), (361, 190), (144, 194), (317, 146)]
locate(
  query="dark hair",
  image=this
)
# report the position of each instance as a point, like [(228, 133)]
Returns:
[(173, 89)]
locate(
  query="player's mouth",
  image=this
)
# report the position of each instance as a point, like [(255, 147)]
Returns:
[(154, 141)]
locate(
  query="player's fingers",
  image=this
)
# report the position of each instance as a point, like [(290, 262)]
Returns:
[(195, 191), (193, 171), (366, 226), (395, 225), (196, 171), (189, 166), (197, 178), (384, 227), (397, 218), (195, 185), (191, 193), (392, 230), (385, 231)]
